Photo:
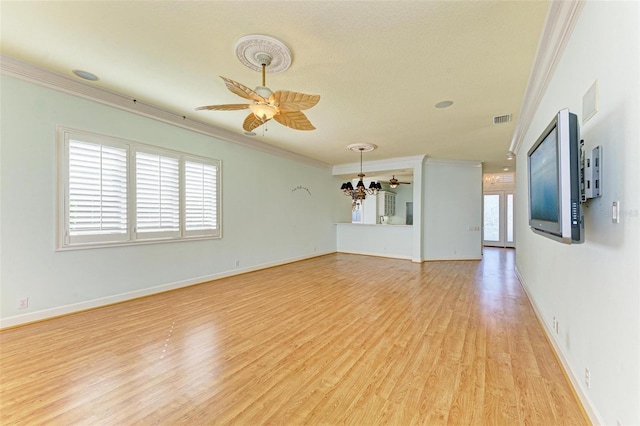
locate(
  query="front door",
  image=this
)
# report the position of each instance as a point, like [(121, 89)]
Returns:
[(498, 219)]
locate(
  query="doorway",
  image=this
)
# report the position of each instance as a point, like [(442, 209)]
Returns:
[(498, 226)]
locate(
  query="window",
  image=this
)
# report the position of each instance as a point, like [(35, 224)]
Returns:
[(117, 192), (97, 192), (157, 194), (201, 211)]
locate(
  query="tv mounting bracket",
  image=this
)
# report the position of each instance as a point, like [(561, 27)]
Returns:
[(590, 172)]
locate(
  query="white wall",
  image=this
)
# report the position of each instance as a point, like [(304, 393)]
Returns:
[(272, 224), (593, 289), (452, 205), (375, 240)]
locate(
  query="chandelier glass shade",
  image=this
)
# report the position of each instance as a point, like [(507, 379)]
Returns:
[(360, 192)]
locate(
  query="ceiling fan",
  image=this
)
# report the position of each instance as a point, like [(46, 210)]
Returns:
[(393, 182), (283, 106)]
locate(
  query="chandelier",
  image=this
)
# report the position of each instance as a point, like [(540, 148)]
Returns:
[(360, 192)]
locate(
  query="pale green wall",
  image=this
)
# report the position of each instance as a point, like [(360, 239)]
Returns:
[(452, 205), (264, 220), (593, 289)]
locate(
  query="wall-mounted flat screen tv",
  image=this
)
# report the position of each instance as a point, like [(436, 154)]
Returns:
[(555, 195)]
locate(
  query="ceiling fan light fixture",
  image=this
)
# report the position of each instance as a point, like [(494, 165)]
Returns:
[(259, 52), (394, 183), (263, 91), (264, 112)]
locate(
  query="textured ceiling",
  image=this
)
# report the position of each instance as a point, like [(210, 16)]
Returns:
[(380, 67)]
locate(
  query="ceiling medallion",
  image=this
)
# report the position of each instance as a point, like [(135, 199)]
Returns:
[(362, 147), (250, 48)]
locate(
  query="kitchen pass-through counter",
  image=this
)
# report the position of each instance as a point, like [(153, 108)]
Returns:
[(375, 239)]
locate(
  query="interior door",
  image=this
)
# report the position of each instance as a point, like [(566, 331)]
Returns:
[(498, 227)]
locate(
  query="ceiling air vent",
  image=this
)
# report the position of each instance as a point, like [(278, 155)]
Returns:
[(499, 119)]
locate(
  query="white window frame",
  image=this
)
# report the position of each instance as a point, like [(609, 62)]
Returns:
[(67, 242)]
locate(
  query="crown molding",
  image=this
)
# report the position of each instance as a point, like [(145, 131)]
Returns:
[(561, 19), (43, 77), (380, 165), (449, 162)]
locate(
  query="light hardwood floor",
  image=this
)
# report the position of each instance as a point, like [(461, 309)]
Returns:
[(338, 339)]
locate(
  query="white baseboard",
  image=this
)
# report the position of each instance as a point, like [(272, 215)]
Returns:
[(586, 402), (450, 259), (117, 298)]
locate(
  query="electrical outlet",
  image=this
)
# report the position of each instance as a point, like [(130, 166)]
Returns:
[(587, 377), (237, 263), (23, 303)]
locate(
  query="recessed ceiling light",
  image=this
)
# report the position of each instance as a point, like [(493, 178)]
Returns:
[(506, 168), (444, 104), (86, 75)]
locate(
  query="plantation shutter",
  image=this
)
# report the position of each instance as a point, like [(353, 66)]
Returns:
[(201, 198), (114, 192), (157, 194), (97, 193)]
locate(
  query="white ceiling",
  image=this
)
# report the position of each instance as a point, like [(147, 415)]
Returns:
[(379, 66)]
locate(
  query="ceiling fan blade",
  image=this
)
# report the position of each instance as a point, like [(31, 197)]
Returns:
[(228, 107), (242, 90), (294, 101), (294, 119), (251, 122)]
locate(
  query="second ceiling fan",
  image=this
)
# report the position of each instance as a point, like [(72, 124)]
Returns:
[(394, 183)]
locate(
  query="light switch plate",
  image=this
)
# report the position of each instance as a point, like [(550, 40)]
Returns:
[(615, 212)]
